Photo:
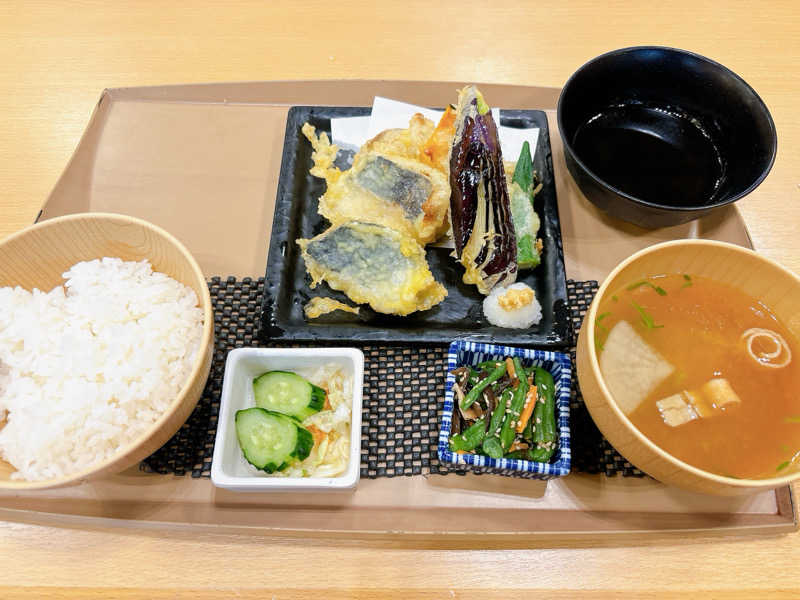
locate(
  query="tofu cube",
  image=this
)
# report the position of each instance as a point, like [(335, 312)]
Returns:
[(702, 405), (675, 410), (719, 393)]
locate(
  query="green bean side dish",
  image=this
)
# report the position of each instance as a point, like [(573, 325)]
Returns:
[(504, 410)]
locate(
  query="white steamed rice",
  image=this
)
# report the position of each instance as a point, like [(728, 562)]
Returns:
[(87, 368)]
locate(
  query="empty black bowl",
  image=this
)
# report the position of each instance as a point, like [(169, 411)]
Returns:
[(659, 136)]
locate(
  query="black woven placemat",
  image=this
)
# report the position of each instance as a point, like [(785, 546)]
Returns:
[(403, 391)]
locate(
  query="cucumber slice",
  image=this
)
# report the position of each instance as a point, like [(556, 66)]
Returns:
[(271, 441), (288, 393)]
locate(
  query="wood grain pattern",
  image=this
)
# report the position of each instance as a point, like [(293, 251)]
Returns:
[(37, 256), (57, 60)]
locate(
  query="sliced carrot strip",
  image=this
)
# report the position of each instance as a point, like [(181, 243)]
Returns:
[(527, 410), (512, 372), (317, 434)]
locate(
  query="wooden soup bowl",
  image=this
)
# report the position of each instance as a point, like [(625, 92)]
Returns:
[(761, 278), (38, 255)]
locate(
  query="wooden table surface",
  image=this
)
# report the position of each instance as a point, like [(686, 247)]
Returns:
[(56, 59)]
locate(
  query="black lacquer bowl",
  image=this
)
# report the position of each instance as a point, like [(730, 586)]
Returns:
[(659, 136)]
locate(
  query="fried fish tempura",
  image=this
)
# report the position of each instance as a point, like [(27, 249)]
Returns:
[(373, 264), (386, 185)]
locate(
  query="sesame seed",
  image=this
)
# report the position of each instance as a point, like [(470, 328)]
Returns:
[(538, 420)]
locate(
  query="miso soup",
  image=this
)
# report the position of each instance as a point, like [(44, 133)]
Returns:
[(706, 372)]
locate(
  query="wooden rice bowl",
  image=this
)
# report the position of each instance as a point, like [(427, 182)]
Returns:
[(755, 275), (38, 255)]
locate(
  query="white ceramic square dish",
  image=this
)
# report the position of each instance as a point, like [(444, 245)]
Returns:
[(228, 468)]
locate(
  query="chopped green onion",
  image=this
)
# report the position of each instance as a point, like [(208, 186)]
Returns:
[(647, 319), (614, 298), (783, 465), (659, 290), (601, 328), (688, 281)]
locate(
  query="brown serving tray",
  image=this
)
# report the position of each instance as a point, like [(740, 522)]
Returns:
[(202, 161)]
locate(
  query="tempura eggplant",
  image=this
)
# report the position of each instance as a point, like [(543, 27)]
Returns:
[(480, 210), (386, 184), (373, 264)]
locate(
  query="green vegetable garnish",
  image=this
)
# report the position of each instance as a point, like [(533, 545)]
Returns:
[(491, 444), (614, 298), (523, 171), (602, 329), (783, 465), (483, 108), (544, 418), (476, 391), (791, 420), (659, 290), (471, 438), (647, 318), (526, 221), (688, 281), (508, 428)]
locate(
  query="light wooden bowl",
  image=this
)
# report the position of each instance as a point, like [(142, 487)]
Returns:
[(38, 255), (755, 275)]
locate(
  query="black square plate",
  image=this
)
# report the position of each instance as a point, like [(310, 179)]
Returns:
[(459, 316)]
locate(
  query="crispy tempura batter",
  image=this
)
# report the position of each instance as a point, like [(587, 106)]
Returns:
[(323, 156), (319, 305), (386, 185), (436, 150), (373, 264), (406, 143)]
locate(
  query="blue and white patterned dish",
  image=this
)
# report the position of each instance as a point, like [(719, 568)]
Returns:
[(560, 367)]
